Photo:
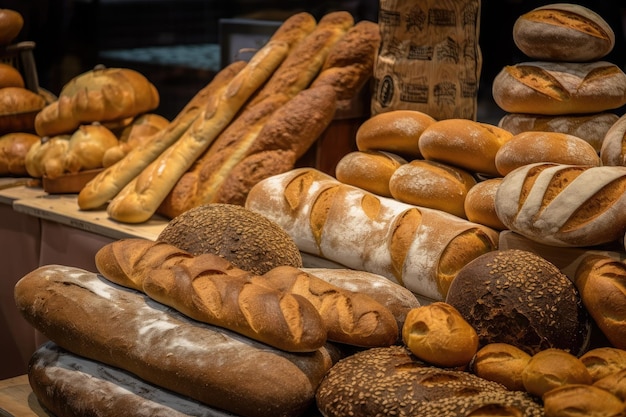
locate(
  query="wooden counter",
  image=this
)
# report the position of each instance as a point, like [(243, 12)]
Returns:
[(17, 398)]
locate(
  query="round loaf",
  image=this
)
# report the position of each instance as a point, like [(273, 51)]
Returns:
[(249, 240), (18, 109), (564, 205), (563, 32), (10, 76), (613, 149), (601, 281), (391, 381), (13, 150), (396, 131), (517, 297), (589, 127), (11, 24), (369, 170), (530, 147), (464, 143), (580, 400), (603, 361), (558, 88), (480, 205), (614, 383), (432, 184), (436, 333), (552, 368), (501, 363)]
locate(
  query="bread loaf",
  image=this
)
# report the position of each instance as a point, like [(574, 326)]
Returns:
[(210, 289), (589, 127), (467, 144), (563, 32), (613, 149), (480, 204), (600, 280), (502, 363), (369, 170), (13, 150), (96, 319), (531, 147), (141, 197), (65, 383), (564, 205), (102, 94), (110, 182), (18, 108), (558, 88), (419, 248)]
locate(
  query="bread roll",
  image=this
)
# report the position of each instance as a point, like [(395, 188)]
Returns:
[(563, 32), (11, 24), (93, 318), (388, 381), (480, 204), (603, 361), (436, 333), (558, 88), (46, 158), (502, 363), (464, 143), (589, 127), (13, 150), (396, 131), (419, 248), (580, 400), (531, 147), (601, 281), (552, 368), (615, 383), (87, 147), (369, 170), (564, 205), (10, 76), (613, 149), (18, 109), (517, 297), (432, 184)]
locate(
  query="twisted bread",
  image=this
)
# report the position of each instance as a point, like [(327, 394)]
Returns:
[(210, 289)]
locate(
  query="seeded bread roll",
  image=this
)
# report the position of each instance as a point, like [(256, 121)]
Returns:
[(432, 184), (603, 361), (369, 170), (531, 147), (563, 32), (613, 150), (552, 368), (464, 143), (558, 88), (589, 127), (480, 204), (396, 131), (502, 363), (517, 297)]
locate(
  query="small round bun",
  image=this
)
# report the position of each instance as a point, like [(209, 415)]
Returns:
[(247, 239), (396, 131), (563, 32), (480, 206), (501, 363), (10, 76), (436, 333), (464, 143), (580, 400), (603, 361), (368, 170), (517, 297), (432, 184), (552, 368), (11, 24), (531, 147)]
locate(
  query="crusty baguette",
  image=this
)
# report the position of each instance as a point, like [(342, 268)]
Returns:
[(141, 198), (94, 318), (210, 289), (351, 318), (109, 182)]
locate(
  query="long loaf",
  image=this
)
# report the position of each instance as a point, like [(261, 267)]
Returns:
[(210, 289)]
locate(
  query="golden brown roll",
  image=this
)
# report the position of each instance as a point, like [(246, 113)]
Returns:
[(615, 383), (502, 363), (552, 368), (11, 24), (13, 150), (432, 184), (18, 109), (396, 131), (438, 334), (369, 170), (480, 206), (10, 76), (580, 400), (464, 143), (531, 147), (603, 361)]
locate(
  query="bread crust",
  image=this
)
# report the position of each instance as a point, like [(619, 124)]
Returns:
[(480, 204), (369, 170)]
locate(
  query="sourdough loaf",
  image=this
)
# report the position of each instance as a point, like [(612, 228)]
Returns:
[(158, 345), (419, 248), (369, 170), (13, 150), (564, 205)]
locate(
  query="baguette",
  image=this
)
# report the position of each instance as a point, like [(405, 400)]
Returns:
[(110, 181), (96, 319), (141, 197), (210, 289)]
